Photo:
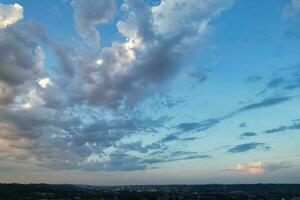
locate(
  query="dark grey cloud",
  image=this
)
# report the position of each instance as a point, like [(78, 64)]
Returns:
[(62, 141), (7, 94), (248, 146), (247, 134), (88, 14), (175, 158), (132, 124), (273, 166), (21, 58), (197, 126), (159, 147), (21, 61), (74, 68), (174, 137), (243, 125), (189, 138), (199, 75), (142, 72), (165, 99), (212, 122), (122, 161), (275, 83), (65, 54), (284, 81), (264, 103), (276, 130), (294, 126), (169, 138), (135, 146)]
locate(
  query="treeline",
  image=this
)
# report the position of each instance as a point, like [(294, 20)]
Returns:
[(171, 192)]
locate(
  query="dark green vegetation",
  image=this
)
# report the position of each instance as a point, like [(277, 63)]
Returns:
[(167, 192)]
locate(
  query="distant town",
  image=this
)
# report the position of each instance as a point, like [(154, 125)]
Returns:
[(154, 192)]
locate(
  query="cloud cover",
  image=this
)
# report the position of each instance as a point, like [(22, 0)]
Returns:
[(39, 115)]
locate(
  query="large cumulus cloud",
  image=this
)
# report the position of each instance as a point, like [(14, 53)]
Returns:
[(153, 50), (20, 58), (78, 116), (21, 61)]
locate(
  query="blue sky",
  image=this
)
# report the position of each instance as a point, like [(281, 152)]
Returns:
[(149, 92)]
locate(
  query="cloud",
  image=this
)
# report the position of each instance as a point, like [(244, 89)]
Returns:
[(199, 75), (64, 141), (275, 83), (7, 94), (135, 146), (248, 134), (197, 126), (117, 161), (284, 81), (10, 14), (56, 124), (259, 167), (294, 126), (212, 122), (45, 82), (88, 14), (172, 158), (174, 137), (292, 9), (120, 161), (170, 16), (20, 58), (33, 100), (152, 52), (21, 62), (264, 103), (243, 125), (249, 146)]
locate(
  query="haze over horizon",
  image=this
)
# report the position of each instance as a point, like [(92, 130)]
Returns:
[(122, 92)]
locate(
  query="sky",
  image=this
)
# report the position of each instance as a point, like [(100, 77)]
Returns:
[(122, 92)]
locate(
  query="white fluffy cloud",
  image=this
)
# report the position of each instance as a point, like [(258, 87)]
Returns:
[(10, 14), (259, 167), (45, 82)]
